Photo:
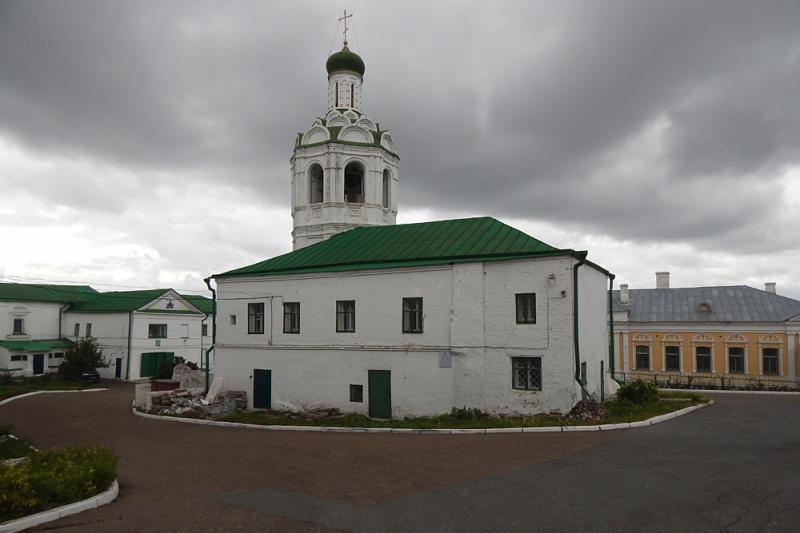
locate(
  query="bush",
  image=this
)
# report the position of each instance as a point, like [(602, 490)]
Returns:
[(465, 413), (53, 478), (638, 392), (83, 356)]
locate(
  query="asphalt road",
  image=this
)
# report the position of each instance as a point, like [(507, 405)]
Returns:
[(732, 467)]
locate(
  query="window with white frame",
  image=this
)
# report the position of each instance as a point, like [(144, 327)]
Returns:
[(736, 359), (255, 318), (412, 315), (291, 317), (526, 373), (77, 330), (19, 326), (672, 358), (526, 308), (345, 316), (702, 356), (157, 331), (88, 329), (642, 357), (769, 361), (19, 357)]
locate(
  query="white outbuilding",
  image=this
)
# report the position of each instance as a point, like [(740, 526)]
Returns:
[(415, 319)]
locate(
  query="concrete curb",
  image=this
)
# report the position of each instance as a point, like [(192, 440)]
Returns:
[(714, 391), (61, 512), (543, 429), (34, 393)]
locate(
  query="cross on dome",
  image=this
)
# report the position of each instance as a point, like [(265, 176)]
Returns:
[(344, 18)]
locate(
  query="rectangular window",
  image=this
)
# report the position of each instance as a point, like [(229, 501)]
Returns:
[(88, 329), (672, 358), (19, 357), (526, 373), (77, 330), (345, 315), (703, 358), (19, 326), (204, 330), (526, 308), (255, 318), (58, 355), (412, 315), (642, 357), (291, 317), (157, 331), (356, 393), (736, 360), (769, 357)]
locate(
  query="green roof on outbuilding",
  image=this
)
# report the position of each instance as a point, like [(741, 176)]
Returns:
[(203, 304), (37, 346), (118, 301), (32, 292), (402, 245)]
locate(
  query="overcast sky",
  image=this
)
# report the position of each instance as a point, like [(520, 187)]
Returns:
[(147, 143)]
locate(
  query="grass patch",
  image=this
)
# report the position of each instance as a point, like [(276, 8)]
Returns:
[(15, 388), (618, 412), (54, 478)]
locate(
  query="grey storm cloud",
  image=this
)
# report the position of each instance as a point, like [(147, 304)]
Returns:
[(516, 109)]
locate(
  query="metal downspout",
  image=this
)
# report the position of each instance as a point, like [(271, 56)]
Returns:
[(128, 359), (213, 328), (611, 345), (581, 256)]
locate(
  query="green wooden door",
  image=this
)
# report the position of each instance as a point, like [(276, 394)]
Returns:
[(152, 361), (262, 388), (380, 393)]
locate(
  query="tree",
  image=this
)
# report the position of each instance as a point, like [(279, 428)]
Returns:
[(82, 356)]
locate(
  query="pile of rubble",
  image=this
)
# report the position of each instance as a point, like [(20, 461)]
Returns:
[(190, 401), (587, 410)]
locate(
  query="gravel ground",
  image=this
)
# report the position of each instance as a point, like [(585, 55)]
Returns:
[(180, 477)]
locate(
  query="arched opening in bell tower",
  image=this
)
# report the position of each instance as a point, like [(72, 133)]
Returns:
[(387, 179), (354, 183), (316, 184)]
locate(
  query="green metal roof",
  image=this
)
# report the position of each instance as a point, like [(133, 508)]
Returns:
[(118, 301), (345, 60), (37, 346), (203, 304), (30, 292), (427, 243)]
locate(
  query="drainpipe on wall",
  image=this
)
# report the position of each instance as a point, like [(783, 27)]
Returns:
[(128, 359), (611, 344), (581, 257), (61, 310), (213, 328)]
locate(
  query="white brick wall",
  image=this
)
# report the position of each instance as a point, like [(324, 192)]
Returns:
[(469, 309)]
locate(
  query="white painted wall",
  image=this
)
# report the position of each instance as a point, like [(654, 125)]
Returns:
[(469, 310), (40, 323), (109, 329), (593, 329)]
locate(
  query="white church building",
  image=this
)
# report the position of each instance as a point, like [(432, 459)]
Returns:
[(390, 320)]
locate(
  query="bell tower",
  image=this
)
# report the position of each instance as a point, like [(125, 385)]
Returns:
[(344, 167)]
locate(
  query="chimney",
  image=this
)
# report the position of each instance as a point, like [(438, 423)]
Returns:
[(624, 297), (662, 280), (770, 287)]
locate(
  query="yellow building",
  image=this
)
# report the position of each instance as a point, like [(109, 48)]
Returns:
[(730, 336)]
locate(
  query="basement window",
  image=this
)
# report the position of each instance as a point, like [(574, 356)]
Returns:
[(357, 393), (526, 373)]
